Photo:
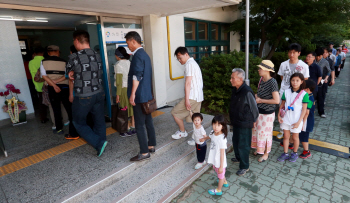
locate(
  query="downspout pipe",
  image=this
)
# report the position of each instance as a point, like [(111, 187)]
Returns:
[(247, 43), (169, 52)]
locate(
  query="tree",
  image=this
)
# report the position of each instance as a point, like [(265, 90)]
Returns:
[(296, 20)]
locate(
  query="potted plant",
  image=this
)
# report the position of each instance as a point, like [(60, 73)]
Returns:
[(13, 106)]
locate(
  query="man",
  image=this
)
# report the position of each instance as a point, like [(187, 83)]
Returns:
[(53, 71), (243, 114), (140, 91), (85, 68), (34, 66), (331, 62), (334, 51), (193, 92), (314, 70), (343, 56), (289, 67), (326, 71)]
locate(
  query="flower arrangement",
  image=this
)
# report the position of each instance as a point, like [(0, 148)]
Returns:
[(13, 106)]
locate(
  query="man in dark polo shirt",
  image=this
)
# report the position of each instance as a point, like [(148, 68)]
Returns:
[(314, 70), (85, 68)]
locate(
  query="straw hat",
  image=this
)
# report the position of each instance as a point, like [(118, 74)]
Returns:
[(267, 65)]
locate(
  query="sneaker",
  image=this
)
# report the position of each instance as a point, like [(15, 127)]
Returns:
[(323, 116), (179, 135), (214, 192), (58, 132), (234, 160), (69, 137), (102, 149), (241, 172), (191, 142), (125, 134), (283, 157), (66, 123), (280, 135), (225, 184), (53, 127), (200, 165), (305, 154), (290, 146), (131, 131), (293, 157)]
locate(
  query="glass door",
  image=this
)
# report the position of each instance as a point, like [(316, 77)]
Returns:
[(113, 31)]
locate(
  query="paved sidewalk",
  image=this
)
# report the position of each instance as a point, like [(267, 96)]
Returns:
[(321, 178)]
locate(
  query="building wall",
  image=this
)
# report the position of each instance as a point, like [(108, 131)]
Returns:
[(175, 88), (11, 66)]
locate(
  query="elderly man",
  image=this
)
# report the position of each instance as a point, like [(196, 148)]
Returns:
[(243, 114)]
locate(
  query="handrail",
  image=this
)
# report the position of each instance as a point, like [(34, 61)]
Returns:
[(169, 52)]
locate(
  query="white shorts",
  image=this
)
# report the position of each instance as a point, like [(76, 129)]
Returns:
[(284, 126)]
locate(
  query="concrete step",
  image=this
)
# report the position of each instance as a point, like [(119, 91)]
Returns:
[(129, 175)]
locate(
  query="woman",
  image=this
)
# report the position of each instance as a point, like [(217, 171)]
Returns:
[(121, 68), (267, 99)]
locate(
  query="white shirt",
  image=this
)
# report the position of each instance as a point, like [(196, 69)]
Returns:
[(286, 72), (217, 142), (291, 117), (42, 70), (333, 57), (122, 67), (198, 134), (133, 53), (343, 55), (192, 69)]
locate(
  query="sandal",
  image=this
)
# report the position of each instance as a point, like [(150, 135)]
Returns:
[(255, 153), (261, 160)]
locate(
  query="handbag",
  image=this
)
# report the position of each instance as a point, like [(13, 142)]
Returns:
[(283, 110), (119, 119), (37, 77), (150, 106)]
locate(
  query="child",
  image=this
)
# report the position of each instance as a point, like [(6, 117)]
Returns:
[(295, 101), (198, 134), (217, 154), (309, 120)]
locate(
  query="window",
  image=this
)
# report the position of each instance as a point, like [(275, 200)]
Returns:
[(190, 30), (205, 38), (214, 32), (253, 47)]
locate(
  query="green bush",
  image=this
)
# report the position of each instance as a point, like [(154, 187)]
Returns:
[(216, 71)]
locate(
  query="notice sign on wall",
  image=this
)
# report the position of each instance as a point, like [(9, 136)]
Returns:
[(116, 35)]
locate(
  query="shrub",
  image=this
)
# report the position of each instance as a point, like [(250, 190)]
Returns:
[(216, 71)]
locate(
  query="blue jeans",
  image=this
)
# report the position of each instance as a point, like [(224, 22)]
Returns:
[(141, 121), (80, 109)]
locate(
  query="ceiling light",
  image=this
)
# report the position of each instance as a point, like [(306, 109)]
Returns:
[(43, 21)]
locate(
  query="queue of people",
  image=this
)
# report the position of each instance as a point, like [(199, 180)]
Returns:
[(77, 84)]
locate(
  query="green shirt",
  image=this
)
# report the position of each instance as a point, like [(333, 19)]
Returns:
[(34, 66), (305, 98)]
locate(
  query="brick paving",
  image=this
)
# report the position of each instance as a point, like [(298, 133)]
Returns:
[(321, 178)]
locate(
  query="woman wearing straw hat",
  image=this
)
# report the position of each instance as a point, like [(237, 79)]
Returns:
[(267, 99)]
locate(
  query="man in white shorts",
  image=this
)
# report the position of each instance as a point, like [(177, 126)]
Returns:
[(289, 67), (193, 92)]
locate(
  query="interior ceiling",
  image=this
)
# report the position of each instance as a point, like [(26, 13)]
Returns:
[(128, 7), (54, 19)]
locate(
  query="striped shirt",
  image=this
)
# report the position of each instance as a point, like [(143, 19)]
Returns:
[(265, 92), (192, 69)]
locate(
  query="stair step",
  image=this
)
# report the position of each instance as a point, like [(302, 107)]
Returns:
[(115, 183)]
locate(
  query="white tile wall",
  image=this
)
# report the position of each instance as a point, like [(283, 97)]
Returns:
[(11, 66)]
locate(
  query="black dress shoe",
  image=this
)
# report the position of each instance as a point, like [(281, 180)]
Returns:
[(152, 150), (140, 157)]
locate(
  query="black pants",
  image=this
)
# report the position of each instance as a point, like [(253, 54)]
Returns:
[(321, 96), (33, 93), (42, 107), (141, 121), (241, 142), (201, 151), (56, 99), (336, 71)]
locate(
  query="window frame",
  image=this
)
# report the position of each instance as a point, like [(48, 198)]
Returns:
[(209, 42)]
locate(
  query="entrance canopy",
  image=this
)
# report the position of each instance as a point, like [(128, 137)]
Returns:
[(129, 7)]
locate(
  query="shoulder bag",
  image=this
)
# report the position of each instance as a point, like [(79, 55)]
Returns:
[(150, 106), (283, 110)]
